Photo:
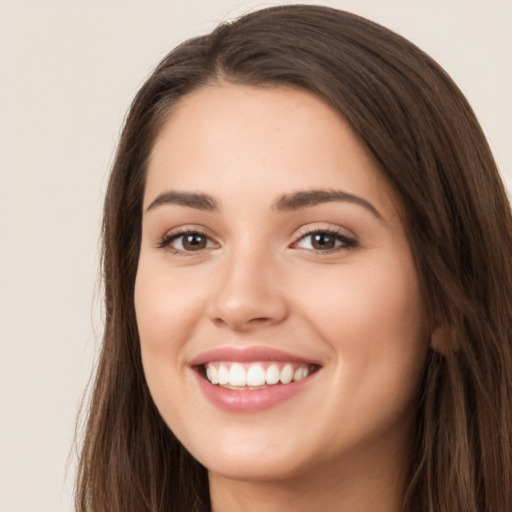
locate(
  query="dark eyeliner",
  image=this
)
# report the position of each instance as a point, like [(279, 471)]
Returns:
[(167, 239), (348, 243)]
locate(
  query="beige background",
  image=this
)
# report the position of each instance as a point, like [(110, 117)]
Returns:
[(68, 70)]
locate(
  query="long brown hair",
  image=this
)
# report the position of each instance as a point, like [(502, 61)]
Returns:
[(429, 145)]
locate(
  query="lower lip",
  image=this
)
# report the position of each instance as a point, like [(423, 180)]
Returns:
[(250, 400)]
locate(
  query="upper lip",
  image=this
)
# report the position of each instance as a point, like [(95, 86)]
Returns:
[(249, 354)]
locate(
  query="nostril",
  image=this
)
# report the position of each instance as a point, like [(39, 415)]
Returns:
[(246, 310), (254, 322)]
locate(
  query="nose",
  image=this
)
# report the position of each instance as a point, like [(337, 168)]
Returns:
[(248, 295)]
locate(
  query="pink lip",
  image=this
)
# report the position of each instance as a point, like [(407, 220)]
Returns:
[(248, 400), (246, 355)]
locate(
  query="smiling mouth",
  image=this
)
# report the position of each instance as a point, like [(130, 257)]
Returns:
[(255, 376)]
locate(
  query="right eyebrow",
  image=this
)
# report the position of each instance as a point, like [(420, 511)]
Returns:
[(190, 199)]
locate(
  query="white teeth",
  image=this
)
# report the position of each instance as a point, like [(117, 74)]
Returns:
[(272, 374), (223, 375), (300, 373), (237, 375), (212, 374), (286, 374), (254, 375)]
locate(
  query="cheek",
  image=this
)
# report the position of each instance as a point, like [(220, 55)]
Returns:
[(374, 323), (166, 309), (381, 298), (167, 316)]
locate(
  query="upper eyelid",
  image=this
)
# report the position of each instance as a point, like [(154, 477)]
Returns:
[(189, 228), (172, 234), (309, 229), (347, 240)]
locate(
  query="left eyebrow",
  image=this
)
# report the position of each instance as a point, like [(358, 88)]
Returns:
[(308, 198)]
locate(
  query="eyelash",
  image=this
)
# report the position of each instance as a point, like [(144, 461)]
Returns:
[(347, 243), (168, 239)]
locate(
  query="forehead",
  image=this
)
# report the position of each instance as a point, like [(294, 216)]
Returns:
[(228, 138)]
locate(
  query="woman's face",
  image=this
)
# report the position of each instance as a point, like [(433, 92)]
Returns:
[(272, 250)]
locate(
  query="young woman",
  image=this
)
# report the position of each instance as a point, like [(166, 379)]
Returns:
[(308, 282)]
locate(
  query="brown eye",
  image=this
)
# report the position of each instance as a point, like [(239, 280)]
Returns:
[(194, 242), (191, 241), (325, 241)]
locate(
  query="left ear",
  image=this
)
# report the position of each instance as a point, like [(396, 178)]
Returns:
[(443, 339)]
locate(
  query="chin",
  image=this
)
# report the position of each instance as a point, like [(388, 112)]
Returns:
[(257, 469), (257, 457)]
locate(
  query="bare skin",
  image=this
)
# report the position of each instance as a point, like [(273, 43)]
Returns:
[(360, 485), (268, 227)]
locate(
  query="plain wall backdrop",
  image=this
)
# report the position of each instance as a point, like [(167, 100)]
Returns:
[(68, 71)]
